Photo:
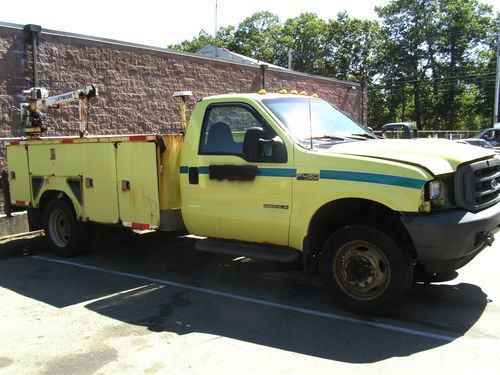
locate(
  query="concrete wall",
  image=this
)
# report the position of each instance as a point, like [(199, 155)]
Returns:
[(135, 82)]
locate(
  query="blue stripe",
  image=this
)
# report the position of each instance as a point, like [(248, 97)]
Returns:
[(277, 172), (374, 178)]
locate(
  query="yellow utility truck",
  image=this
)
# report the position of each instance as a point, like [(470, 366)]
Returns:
[(276, 176)]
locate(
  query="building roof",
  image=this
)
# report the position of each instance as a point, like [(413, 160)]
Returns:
[(225, 54)]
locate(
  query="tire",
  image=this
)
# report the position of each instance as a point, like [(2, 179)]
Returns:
[(365, 269), (64, 235)]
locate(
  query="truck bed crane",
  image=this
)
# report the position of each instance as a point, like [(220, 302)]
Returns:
[(37, 99)]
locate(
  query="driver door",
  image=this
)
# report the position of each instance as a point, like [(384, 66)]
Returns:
[(228, 196)]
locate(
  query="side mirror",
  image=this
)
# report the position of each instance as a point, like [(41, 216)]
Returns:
[(258, 146)]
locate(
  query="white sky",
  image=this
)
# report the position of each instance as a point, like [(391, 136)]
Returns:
[(163, 22)]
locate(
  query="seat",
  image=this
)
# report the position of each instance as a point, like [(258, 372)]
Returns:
[(220, 139)]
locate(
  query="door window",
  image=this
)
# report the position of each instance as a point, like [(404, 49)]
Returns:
[(224, 129)]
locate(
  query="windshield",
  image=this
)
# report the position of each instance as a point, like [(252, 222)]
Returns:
[(313, 120)]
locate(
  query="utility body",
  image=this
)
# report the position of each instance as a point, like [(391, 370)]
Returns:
[(276, 176)]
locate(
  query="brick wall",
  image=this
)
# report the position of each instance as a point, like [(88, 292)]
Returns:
[(135, 83)]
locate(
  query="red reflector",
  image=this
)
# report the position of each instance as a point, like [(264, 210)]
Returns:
[(21, 203), (137, 138), (67, 141), (140, 226), (14, 143)]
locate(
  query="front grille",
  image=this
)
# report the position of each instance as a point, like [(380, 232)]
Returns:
[(477, 185)]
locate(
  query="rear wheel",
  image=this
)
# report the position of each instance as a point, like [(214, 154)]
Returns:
[(64, 234), (365, 269)]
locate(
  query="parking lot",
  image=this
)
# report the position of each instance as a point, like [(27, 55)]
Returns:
[(152, 304)]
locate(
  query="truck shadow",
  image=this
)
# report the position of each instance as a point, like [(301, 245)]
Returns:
[(286, 320)]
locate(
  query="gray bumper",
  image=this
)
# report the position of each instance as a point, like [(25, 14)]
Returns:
[(448, 240)]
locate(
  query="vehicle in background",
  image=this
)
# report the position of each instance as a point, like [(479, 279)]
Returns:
[(478, 142), (491, 135), (400, 130)]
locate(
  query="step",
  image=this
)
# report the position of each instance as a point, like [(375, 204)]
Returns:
[(249, 250)]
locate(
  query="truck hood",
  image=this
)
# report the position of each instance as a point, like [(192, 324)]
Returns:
[(439, 156)]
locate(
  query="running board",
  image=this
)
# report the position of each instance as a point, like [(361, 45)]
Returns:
[(249, 250)]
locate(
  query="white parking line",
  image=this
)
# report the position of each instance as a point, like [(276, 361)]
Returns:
[(384, 326)]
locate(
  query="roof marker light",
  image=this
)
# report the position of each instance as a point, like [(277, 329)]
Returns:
[(262, 92), (283, 91), (303, 92), (294, 92)]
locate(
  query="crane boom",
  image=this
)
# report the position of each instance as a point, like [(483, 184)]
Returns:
[(37, 99)]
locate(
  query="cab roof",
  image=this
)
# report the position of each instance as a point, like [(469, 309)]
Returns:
[(257, 96)]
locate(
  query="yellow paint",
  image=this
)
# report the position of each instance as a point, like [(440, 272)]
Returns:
[(99, 164), (310, 196), (136, 163), (168, 172), (20, 186), (55, 159), (103, 164), (235, 209), (58, 183)]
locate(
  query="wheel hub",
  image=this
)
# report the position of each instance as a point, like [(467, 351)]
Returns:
[(359, 270), (59, 227), (362, 270)]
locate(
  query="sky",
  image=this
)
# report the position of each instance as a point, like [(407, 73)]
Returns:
[(163, 22)]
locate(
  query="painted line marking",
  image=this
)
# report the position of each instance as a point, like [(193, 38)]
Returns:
[(140, 290), (384, 326)]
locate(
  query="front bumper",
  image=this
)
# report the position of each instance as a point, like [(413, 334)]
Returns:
[(446, 241)]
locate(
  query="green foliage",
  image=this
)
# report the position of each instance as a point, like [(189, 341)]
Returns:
[(223, 39), (427, 61), (435, 53), (351, 48), (255, 36), (305, 37)]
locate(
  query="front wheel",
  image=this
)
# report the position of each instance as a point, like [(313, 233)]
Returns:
[(365, 269), (64, 234)]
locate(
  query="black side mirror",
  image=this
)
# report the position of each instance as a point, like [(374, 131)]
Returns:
[(258, 146), (251, 145)]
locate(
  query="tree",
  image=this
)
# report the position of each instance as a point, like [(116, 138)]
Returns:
[(465, 25), (485, 70), (433, 48), (224, 38), (305, 36), (351, 48), (410, 32), (256, 36)]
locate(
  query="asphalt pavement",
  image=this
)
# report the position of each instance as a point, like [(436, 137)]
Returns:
[(152, 304)]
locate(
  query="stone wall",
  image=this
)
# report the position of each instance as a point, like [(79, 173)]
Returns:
[(135, 83)]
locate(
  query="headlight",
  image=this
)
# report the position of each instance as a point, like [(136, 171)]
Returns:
[(433, 189)]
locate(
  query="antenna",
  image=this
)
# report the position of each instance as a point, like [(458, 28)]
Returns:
[(216, 4)]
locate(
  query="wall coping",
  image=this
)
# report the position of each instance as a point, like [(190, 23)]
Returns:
[(172, 52)]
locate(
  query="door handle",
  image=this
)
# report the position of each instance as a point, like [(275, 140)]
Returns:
[(194, 175)]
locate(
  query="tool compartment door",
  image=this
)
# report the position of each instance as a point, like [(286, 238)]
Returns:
[(19, 178), (100, 202), (137, 185)]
